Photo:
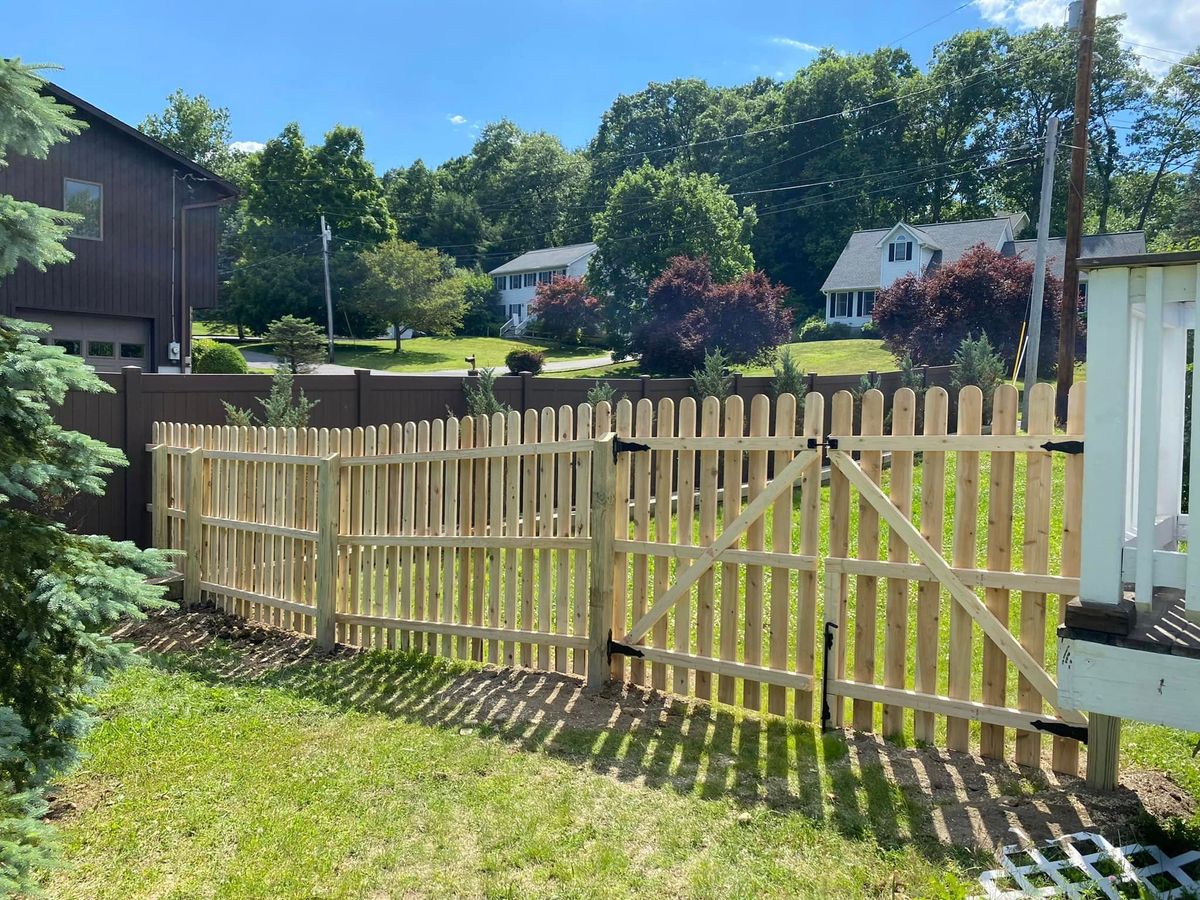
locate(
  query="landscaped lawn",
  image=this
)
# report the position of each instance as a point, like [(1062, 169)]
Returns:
[(343, 779), (848, 357), (432, 354)]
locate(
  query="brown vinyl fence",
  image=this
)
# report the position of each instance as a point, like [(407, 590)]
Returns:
[(123, 418), (684, 546)]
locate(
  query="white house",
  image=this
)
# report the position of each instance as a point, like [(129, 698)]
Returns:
[(517, 279), (872, 260)]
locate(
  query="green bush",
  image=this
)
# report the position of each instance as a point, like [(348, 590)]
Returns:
[(481, 396), (870, 330), (713, 378), (525, 360), (977, 362), (817, 329), (217, 358)]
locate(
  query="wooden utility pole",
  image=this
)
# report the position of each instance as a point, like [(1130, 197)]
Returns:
[(326, 234), (1079, 143), (1033, 348)]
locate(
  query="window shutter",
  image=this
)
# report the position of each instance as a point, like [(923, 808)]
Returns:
[(891, 252)]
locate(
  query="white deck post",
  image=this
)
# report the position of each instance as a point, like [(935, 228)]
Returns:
[(1148, 438), (1106, 424)]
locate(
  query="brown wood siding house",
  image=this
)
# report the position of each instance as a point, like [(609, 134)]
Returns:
[(146, 257)]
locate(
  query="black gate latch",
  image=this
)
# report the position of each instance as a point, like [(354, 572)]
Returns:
[(623, 649), (831, 443), (621, 446), (1071, 447), (1062, 729)]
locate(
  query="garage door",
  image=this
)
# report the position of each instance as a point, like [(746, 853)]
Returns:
[(104, 342)]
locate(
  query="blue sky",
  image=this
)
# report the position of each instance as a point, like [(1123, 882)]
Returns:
[(420, 77)]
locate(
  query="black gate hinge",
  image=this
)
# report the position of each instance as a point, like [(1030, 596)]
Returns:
[(1062, 729), (621, 446), (1071, 447), (831, 443), (623, 649)]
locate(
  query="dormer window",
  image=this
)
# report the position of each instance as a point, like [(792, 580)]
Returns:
[(900, 250)]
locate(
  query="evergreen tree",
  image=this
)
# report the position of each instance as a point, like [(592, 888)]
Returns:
[(59, 592)]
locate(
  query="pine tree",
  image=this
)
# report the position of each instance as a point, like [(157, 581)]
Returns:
[(297, 343), (60, 592)]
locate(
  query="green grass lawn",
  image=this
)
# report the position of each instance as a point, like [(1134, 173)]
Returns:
[(848, 357), (342, 779), (432, 354)]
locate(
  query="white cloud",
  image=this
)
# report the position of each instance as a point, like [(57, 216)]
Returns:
[(795, 44), (1170, 24), (247, 146), (457, 120)]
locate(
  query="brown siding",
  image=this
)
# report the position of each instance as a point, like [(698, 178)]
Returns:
[(129, 272), (123, 418), (200, 230)]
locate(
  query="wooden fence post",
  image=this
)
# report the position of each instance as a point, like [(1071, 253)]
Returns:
[(133, 441), (603, 560), (328, 509), (159, 496), (193, 525), (1104, 748)]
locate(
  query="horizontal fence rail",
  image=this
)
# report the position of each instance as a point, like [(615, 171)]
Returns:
[(538, 539)]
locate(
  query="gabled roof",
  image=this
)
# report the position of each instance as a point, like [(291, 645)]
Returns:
[(548, 258), (921, 236), (858, 265), (81, 105), (1119, 243)]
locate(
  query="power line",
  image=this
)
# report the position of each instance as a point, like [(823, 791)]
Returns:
[(940, 18)]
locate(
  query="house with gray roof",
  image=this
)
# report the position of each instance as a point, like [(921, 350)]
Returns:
[(517, 279), (874, 259)]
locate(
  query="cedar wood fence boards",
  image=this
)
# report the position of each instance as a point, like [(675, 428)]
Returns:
[(123, 419), (690, 530)]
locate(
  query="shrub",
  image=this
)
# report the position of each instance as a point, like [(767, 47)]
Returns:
[(601, 392), (712, 379), (928, 318), (977, 362), (688, 314), (817, 329), (789, 378), (481, 397), (870, 330), (280, 408), (566, 311), (525, 359), (217, 358), (298, 343)]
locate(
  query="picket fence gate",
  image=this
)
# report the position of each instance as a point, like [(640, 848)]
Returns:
[(681, 548)]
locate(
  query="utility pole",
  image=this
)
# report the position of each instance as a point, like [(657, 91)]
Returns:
[(1033, 346), (326, 234), (1079, 143)]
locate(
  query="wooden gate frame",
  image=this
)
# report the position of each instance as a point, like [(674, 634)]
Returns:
[(997, 631)]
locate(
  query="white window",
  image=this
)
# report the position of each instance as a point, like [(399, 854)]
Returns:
[(866, 302), (841, 305), (514, 282), (530, 279), (500, 282), (560, 273), (544, 277), (514, 309), (900, 250), (87, 199)]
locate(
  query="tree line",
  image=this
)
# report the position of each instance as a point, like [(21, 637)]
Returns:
[(770, 175)]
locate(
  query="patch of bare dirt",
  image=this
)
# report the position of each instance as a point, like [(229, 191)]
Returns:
[(955, 798)]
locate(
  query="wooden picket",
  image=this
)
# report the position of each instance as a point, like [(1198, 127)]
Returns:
[(475, 538)]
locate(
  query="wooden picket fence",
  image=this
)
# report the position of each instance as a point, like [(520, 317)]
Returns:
[(684, 547)]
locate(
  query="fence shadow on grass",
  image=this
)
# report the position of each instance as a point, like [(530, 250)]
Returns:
[(933, 801)]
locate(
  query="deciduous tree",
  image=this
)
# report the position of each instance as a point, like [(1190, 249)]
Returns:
[(928, 317), (567, 311), (410, 287)]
